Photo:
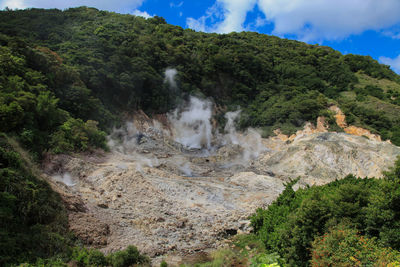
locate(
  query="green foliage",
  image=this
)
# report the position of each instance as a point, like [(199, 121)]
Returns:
[(75, 134), (33, 222), (266, 260), (52, 262), (83, 257), (31, 80), (88, 257), (343, 246), (127, 257), (97, 63), (369, 66), (331, 120), (377, 121), (291, 224), (223, 257)]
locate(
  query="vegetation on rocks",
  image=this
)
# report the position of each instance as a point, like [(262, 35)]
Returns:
[(359, 215)]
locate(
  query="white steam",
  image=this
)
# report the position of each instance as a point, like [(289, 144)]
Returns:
[(182, 164), (170, 77), (142, 161), (230, 129), (250, 142), (192, 126), (252, 145), (65, 178), (125, 141), (186, 170)]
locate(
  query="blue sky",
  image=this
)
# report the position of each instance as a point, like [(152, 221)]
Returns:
[(366, 27)]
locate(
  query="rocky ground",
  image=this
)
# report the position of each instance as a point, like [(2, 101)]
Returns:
[(151, 192)]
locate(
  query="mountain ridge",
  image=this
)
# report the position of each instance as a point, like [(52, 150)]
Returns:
[(110, 63)]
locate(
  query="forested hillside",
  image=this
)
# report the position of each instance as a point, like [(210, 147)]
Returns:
[(83, 64)]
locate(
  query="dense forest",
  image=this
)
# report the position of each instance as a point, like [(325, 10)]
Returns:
[(67, 77), (67, 74)]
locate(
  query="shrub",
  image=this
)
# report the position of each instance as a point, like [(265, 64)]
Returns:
[(295, 219), (88, 257), (76, 135), (343, 246), (127, 257), (266, 260)]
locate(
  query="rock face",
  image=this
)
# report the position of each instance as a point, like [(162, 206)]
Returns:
[(89, 229), (324, 157), (152, 193), (353, 130)]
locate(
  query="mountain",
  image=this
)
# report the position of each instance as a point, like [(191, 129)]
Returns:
[(96, 65), (133, 122)]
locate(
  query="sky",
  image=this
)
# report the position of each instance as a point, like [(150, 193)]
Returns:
[(365, 27)]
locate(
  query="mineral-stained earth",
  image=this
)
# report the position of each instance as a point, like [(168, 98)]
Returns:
[(152, 192)]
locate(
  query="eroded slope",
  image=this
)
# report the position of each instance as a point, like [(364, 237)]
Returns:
[(152, 192)]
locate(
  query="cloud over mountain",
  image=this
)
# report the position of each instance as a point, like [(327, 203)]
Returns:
[(224, 16), (326, 19), (394, 63)]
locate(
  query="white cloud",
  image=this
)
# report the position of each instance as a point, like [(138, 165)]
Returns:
[(329, 19), (197, 24), (224, 16), (13, 4), (177, 5), (213, 14), (393, 32), (260, 22), (235, 12), (123, 6), (143, 14), (394, 63), (393, 35)]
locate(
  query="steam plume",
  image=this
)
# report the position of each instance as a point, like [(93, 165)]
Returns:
[(249, 142), (65, 178), (192, 126), (230, 129), (170, 77), (125, 141)]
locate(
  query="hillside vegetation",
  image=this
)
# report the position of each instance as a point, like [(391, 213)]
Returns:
[(349, 222), (63, 71), (34, 221)]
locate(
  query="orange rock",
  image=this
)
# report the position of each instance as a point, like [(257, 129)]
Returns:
[(280, 135), (340, 117), (362, 132), (322, 127), (308, 129), (353, 130)]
